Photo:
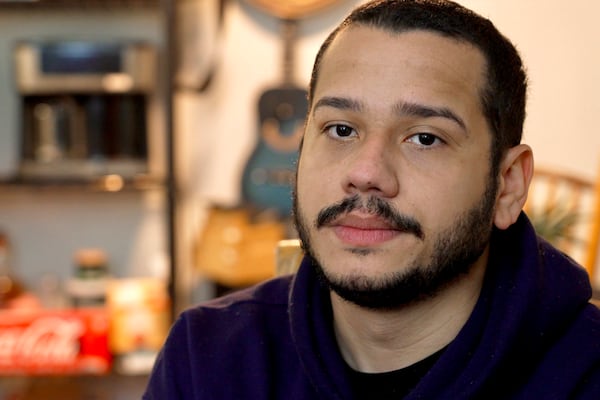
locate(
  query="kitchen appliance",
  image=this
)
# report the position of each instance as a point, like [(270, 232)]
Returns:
[(84, 107)]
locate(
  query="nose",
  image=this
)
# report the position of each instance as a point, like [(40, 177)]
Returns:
[(372, 169)]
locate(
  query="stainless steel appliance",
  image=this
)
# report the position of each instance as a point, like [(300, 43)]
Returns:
[(84, 107)]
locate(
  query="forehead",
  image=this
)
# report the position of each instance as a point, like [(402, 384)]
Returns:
[(423, 65)]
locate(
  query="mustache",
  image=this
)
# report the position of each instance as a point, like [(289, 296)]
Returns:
[(375, 206)]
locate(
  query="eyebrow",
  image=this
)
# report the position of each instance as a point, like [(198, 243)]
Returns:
[(401, 108), (341, 103), (420, 110)]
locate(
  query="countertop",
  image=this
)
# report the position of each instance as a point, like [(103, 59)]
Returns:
[(77, 387)]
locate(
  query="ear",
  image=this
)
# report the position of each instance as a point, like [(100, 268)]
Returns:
[(516, 170)]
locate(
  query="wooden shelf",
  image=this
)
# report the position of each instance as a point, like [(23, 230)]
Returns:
[(75, 4), (103, 387), (106, 183)]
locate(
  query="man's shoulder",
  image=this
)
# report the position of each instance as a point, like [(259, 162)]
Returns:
[(229, 346), (571, 366), (268, 299), (589, 324)]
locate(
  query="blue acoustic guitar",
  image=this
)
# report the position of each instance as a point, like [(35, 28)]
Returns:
[(269, 173)]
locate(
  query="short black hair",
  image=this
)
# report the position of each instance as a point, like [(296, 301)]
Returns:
[(504, 96)]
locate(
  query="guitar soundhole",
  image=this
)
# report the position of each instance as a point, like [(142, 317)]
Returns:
[(284, 111)]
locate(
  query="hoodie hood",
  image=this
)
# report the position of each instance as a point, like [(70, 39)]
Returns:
[(531, 296)]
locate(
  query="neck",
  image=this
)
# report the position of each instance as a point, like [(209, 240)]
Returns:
[(380, 341)]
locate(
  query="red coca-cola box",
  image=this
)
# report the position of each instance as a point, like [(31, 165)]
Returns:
[(47, 342)]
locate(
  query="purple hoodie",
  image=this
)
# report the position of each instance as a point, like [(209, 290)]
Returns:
[(532, 335)]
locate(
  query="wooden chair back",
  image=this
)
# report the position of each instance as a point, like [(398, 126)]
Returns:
[(565, 209)]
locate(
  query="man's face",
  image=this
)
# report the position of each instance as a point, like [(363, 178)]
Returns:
[(393, 195)]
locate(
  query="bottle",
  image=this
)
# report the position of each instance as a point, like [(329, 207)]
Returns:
[(87, 287), (10, 287)]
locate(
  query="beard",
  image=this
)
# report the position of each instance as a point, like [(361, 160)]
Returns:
[(455, 252)]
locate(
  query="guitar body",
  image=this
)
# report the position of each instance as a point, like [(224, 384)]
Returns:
[(268, 178)]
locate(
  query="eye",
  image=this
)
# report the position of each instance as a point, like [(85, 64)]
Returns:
[(340, 131), (425, 139)]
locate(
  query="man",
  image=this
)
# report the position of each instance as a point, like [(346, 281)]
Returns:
[(423, 278)]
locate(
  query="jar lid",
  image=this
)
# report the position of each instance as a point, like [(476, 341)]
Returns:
[(91, 257)]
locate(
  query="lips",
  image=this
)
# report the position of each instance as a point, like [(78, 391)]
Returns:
[(363, 231)]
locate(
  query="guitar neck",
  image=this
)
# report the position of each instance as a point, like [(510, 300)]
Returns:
[(290, 30)]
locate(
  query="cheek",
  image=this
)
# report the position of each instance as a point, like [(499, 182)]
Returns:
[(315, 187), (447, 196), (305, 182)]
